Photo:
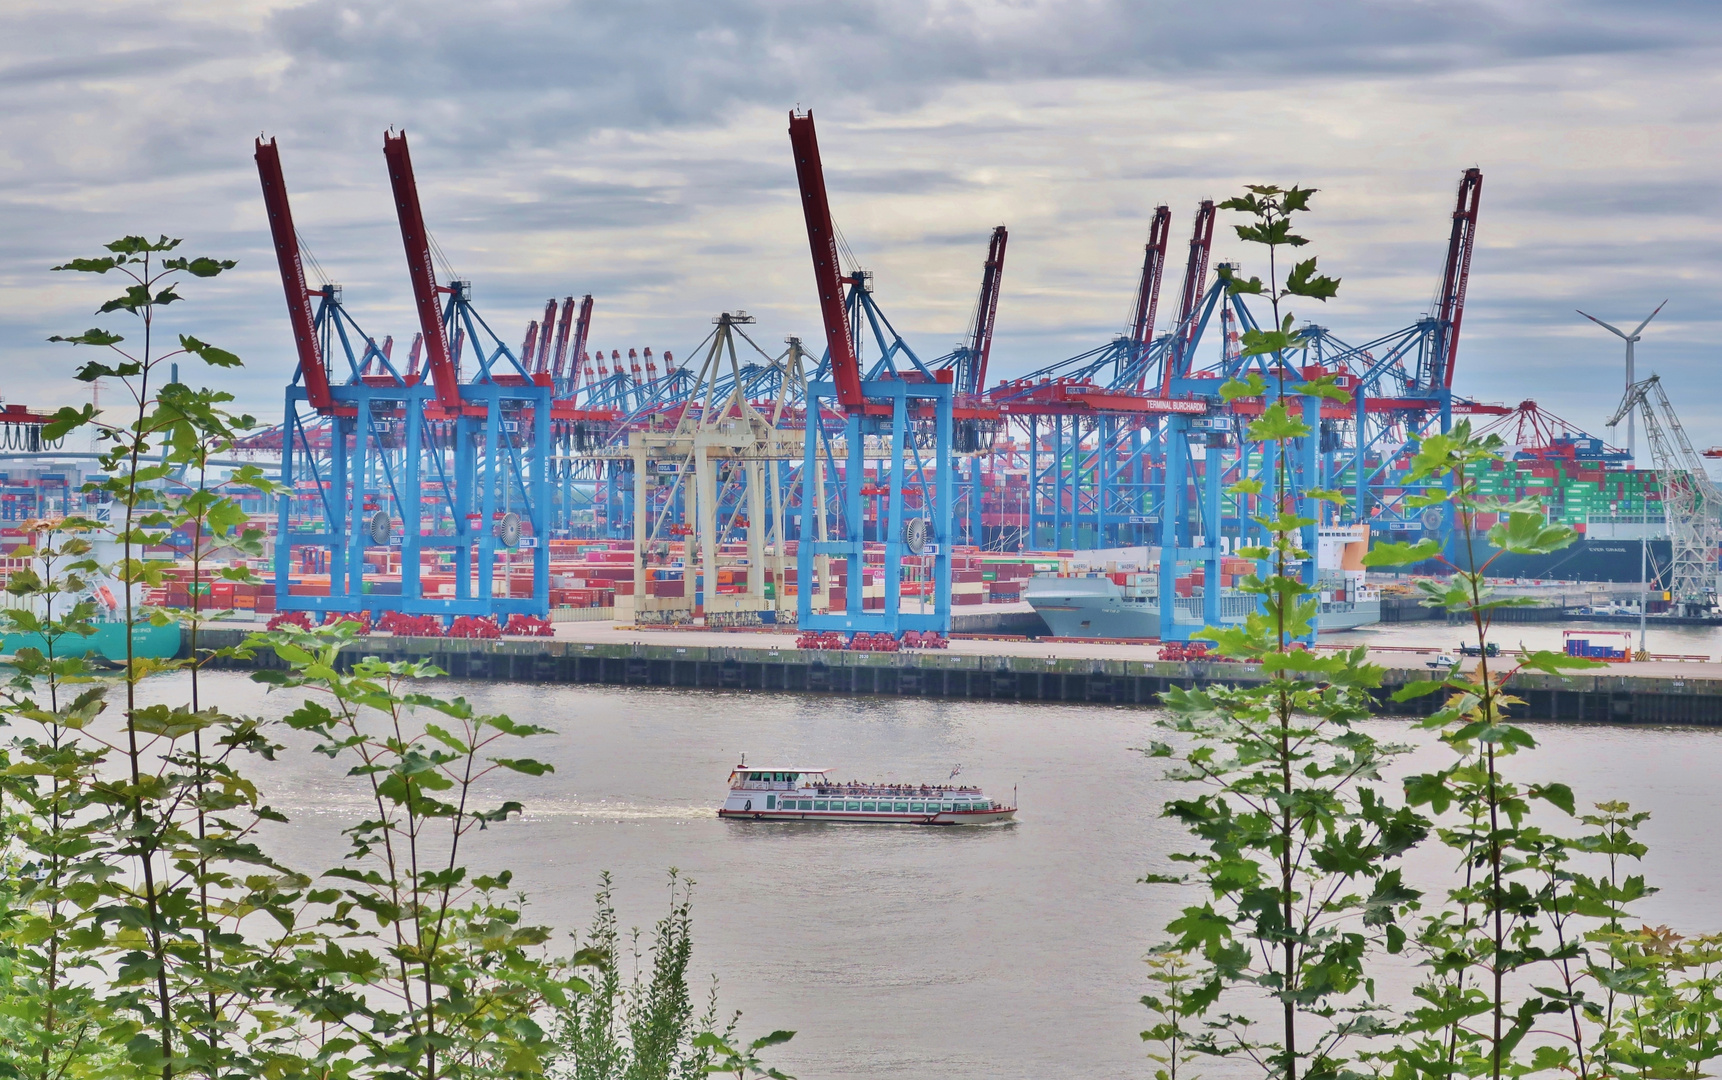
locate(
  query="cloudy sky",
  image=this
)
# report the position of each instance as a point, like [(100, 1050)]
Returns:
[(638, 151)]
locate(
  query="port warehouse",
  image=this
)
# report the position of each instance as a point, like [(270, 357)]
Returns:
[(551, 476), (1609, 697)]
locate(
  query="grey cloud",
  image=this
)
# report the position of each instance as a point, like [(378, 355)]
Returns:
[(121, 63), (594, 64)]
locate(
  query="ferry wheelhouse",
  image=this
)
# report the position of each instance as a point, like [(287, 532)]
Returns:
[(777, 794)]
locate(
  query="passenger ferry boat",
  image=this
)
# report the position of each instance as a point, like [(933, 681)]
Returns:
[(776, 794)]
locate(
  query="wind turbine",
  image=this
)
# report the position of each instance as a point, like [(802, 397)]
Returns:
[(1629, 339)]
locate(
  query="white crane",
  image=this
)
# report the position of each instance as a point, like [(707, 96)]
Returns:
[(1630, 339), (1689, 498)]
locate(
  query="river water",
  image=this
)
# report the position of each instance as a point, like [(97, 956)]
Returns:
[(995, 952)]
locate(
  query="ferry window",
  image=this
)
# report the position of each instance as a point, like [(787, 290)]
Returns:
[(962, 806), (902, 808), (771, 802), (792, 777), (821, 804), (854, 806), (806, 804), (946, 807), (868, 807), (916, 808)]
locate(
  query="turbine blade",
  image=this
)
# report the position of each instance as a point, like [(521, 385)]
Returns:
[(1611, 329), (1649, 317)]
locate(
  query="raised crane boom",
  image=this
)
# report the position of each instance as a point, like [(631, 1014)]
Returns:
[(1148, 290), (582, 327), (416, 241), (1450, 306), (822, 242), (560, 352), (986, 312), (540, 363), (1195, 280), (311, 367), (1153, 271)]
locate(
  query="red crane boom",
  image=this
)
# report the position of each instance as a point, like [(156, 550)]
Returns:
[(1153, 272), (541, 362), (822, 241), (1148, 291), (1195, 275), (530, 344), (582, 327), (416, 241), (1450, 310), (986, 311), (560, 353), (311, 367)]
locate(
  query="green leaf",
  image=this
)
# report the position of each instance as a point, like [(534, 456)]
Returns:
[(199, 267), (1251, 385), (1303, 281), (525, 765), (134, 300), (66, 418), (1272, 233), (137, 245), (92, 336), (1529, 533), (1277, 423), (1555, 794), (90, 266), (1296, 199), (1553, 663), (1418, 688), (1325, 386), (1401, 554), (209, 354), (1246, 203)]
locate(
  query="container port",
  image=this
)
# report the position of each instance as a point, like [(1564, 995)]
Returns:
[(476, 489)]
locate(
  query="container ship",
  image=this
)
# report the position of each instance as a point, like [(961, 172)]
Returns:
[(1617, 513)]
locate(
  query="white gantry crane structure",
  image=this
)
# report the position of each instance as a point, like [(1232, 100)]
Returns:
[(1689, 498)]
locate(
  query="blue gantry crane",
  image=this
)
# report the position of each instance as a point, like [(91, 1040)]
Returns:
[(419, 462)]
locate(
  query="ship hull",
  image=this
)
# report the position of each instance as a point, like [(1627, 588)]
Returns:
[(108, 642), (966, 817), (1584, 560), (1095, 608)]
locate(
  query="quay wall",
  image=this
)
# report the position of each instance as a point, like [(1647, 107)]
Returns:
[(1604, 697)]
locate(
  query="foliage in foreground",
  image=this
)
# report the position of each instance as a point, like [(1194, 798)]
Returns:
[(1528, 960), (145, 927)]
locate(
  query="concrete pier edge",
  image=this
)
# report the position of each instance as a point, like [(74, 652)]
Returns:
[(1598, 697)]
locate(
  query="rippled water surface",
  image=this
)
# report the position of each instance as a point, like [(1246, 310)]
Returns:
[(1007, 951)]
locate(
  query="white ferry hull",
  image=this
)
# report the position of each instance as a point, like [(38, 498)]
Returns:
[(965, 817)]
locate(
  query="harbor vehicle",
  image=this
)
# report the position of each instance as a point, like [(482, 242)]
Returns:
[(805, 794)]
